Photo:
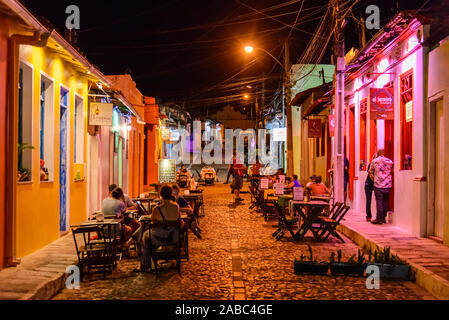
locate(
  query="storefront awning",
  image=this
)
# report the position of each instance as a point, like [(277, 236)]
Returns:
[(317, 106)]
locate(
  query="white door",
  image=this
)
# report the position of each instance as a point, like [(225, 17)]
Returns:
[(439, 169)]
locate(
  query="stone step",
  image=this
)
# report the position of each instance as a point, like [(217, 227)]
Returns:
[(433, 283)]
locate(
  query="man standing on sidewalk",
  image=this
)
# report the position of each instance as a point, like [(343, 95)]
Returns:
[(381, 173)]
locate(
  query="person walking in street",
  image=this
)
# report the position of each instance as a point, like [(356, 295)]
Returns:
[(369, 188), (230, 171), (381, 173), (239, 171)]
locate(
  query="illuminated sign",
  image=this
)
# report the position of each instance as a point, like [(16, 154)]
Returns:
[(314, 126), (279, 134), (174, 136), (167, 171), (409, 111), (331, 125), (165, 133), (100, 114), (382, 103)]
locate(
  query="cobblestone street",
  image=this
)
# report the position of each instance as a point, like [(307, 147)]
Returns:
[(238, 259)]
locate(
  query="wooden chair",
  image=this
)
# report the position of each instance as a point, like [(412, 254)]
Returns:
[(168, 251), (141, 209), (326, 226), (285, 224), (97, 254), (254, 197)]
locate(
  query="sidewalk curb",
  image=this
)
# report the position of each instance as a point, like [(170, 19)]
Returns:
[(425, 278), (47, 290)]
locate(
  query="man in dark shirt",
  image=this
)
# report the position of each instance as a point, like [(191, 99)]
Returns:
[(369, 188)]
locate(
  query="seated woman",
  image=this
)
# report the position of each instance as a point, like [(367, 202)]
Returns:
[(318, 188), (167, 211), (113, 205), (295, 183)]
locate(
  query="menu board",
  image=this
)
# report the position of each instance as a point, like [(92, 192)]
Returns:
[(298, 194), (264, 184), (167, 171), (279, 188)]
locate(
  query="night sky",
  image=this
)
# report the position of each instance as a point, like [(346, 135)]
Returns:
[(183, 50)]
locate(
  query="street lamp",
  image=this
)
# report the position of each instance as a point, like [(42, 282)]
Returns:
[(250, 49), (246, 96)]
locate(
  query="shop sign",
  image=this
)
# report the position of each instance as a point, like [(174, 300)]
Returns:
[(264, 184), (298, 194), (174, 136), (331, 125), (167, 171), (100, 114), (382, 104), (409, 111), (165, 133), (314, 126), (279, 134), (279, 188)]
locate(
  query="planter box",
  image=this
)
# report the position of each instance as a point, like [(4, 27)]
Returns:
[(388, 271), (310, 267), (347, 269)]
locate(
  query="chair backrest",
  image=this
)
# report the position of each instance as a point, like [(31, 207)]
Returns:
[(335, 210), (342, 213), (278, 208), (164, 224), (196, 208), (141, 209)]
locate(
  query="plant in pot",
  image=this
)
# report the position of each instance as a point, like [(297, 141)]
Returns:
[(23, 174), (390, 266), (351, 267), (310, 265)]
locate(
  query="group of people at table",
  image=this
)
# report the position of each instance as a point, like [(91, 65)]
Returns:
[(117, 204), (314, 187)]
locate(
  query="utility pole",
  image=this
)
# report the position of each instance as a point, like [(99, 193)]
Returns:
[(339, 54), (288, 156)]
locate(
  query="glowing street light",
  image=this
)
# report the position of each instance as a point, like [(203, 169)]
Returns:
[(246, 96), (249, 49)]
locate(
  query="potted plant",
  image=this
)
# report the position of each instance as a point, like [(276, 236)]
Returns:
[(390, 266), (310, 266), (351, 267), (23, 174)]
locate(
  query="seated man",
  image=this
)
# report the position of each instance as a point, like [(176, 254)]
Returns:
[(183, 204), (318, 188)]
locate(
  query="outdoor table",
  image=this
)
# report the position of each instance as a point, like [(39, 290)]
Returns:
[(315, 209)]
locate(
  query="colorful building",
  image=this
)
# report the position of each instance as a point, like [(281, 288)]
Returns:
[(394, 100), (314, 149), (45, 113)]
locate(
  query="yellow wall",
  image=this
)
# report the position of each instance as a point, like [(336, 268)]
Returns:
[(37, 215)]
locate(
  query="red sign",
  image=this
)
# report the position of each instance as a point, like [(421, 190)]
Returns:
[(314, 128), (382, 104), (331, 125)]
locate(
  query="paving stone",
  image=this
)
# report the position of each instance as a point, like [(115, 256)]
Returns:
[(262, 266)]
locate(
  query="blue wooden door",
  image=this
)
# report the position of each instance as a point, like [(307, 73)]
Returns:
[(63, 163)]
